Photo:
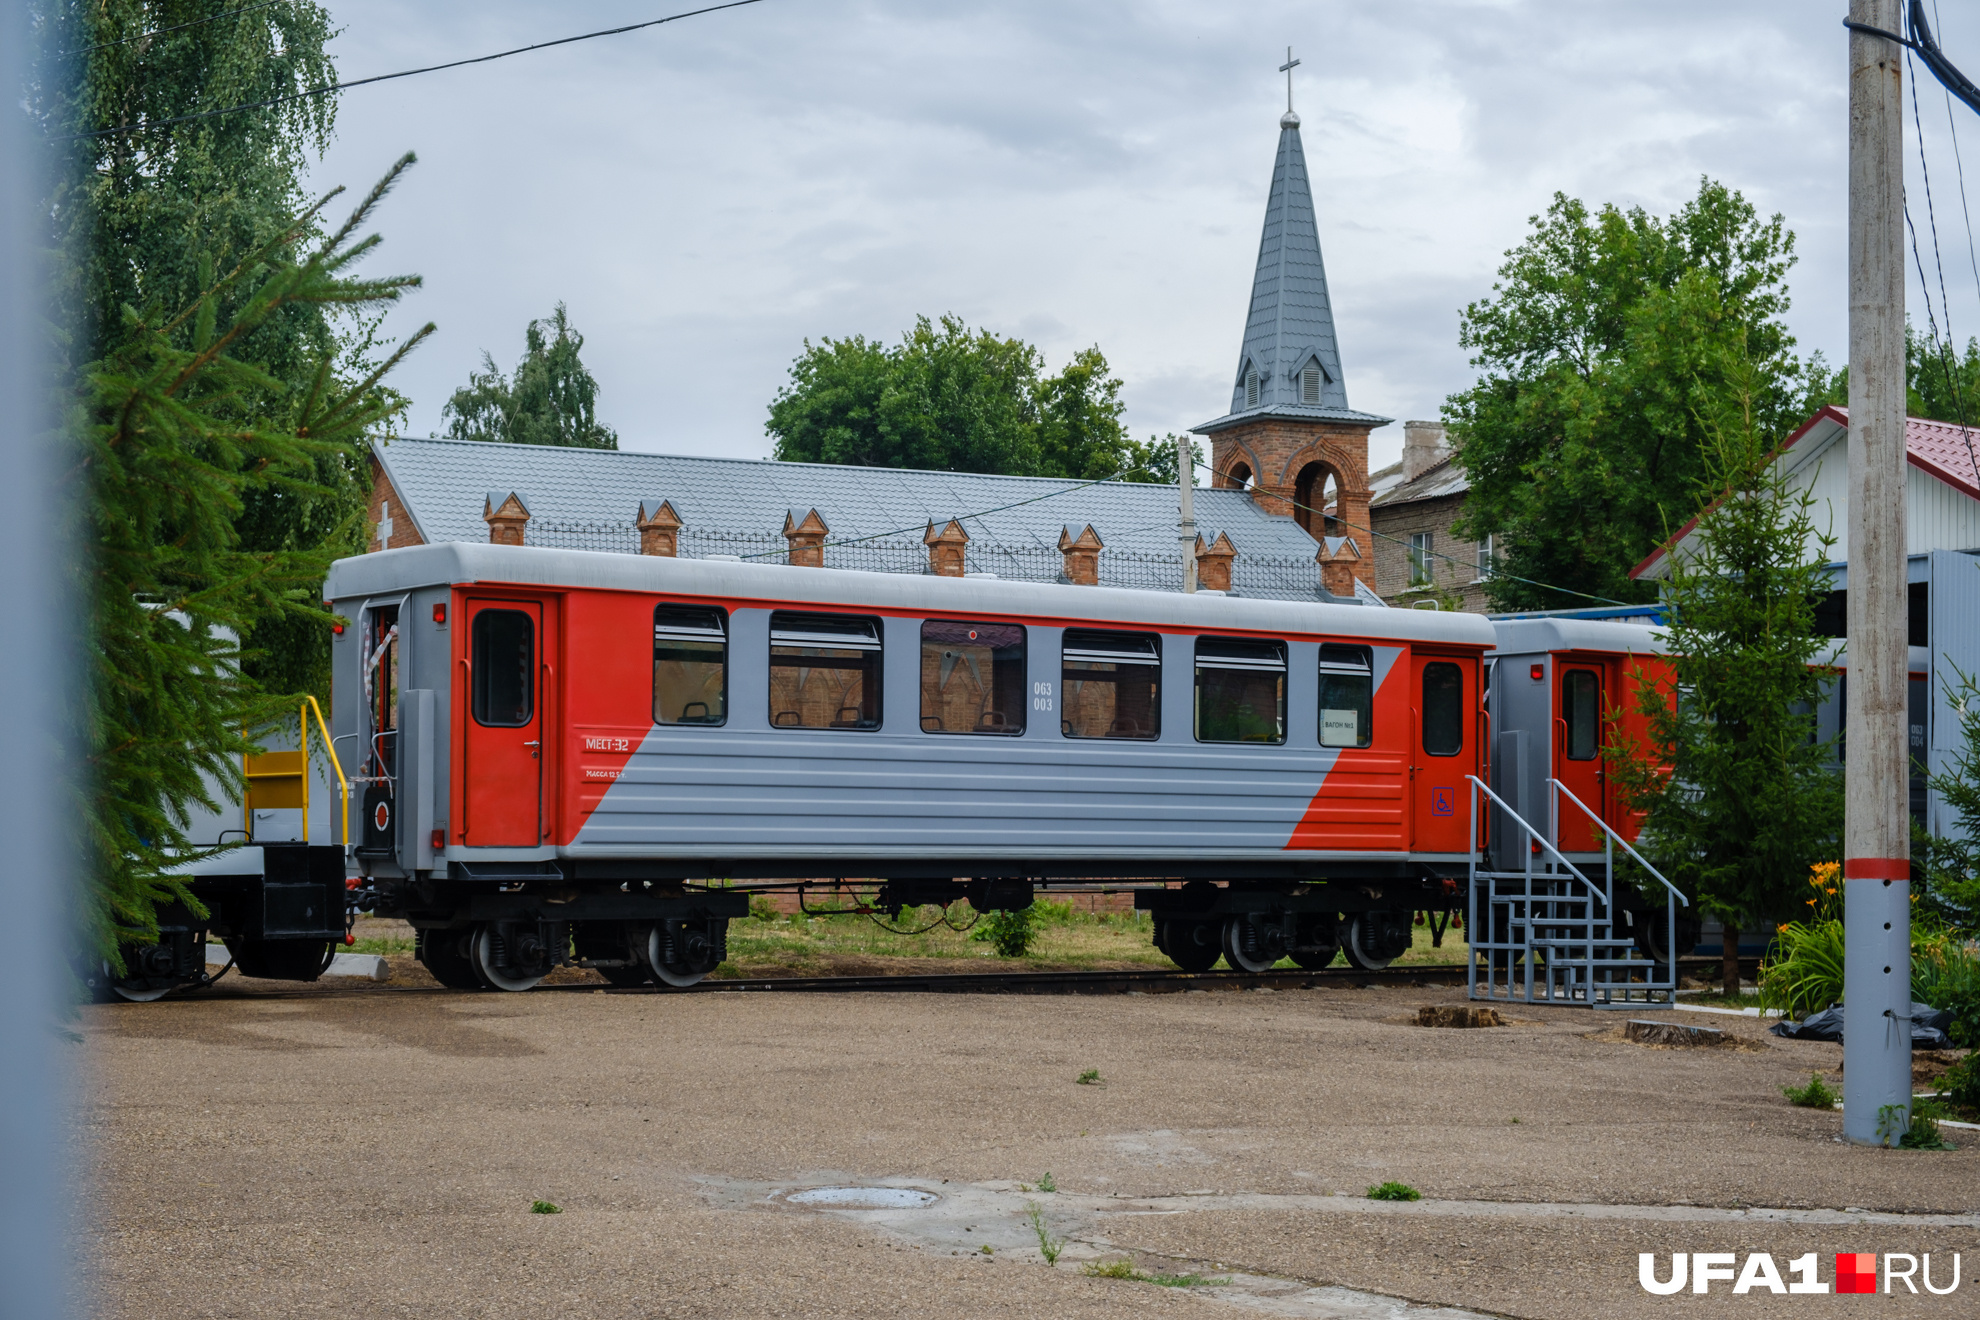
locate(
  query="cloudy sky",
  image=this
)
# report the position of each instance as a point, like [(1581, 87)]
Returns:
[(705, 195)]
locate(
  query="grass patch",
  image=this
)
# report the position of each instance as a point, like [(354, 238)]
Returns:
[(1091, 1077), (1394, 1191), (545, 1208), (1818, 1094), (385, 947), (1057, 936), (1124, 1269)]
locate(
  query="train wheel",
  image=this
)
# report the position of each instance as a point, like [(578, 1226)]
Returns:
[(445, 957), (139, 992), (1376, 939), (1246, 948), (496, 963), (1191, 945), (681, 953)]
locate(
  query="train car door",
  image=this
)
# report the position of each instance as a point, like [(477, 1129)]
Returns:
[(1582, 694), (502, 773), (1444, 692)]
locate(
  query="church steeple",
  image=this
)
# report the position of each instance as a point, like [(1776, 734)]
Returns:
[(1290, 360), (1290, 436)]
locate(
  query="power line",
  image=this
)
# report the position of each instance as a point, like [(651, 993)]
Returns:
[(1942, 350), (176, 27), (403, 73), (1966, 212)]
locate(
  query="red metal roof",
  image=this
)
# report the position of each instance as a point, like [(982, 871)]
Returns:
[(1946, 450)]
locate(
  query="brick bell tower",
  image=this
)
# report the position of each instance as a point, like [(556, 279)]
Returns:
[(1290, 437)]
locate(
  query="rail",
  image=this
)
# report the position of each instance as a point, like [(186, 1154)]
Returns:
[(330, 750), (1576, 950)]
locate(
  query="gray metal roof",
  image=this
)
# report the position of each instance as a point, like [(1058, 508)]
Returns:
[(1445, 479), (1292, 316), (589, 499)]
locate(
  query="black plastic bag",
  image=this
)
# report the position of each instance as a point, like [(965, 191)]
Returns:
[(1928, 1027)]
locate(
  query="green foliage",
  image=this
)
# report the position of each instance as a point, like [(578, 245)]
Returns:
[(952, 399), (1961, 1083), (1155, 461), (1110, 1269), (1046, 1184), (552, 399), (1919, 1132), (1394, 1191), (1091, 1077), (1818, 1094), (1010, 931), (545, 1208), (1803, 973), (1951, 865), (176, 431), (1945, 973), (1941, 383), (1183, 1280), (1742, 798), (144, 220), (1048, 1246), (1603, 350)]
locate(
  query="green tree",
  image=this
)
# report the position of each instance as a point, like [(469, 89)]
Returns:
[(143, 213), (1941, 383), (1742, 798), (552, 400), (1951, 864), (178, 429), (1603, 343), (952, 399)]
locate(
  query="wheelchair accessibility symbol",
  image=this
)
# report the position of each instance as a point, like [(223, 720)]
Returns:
[(1443, 802)]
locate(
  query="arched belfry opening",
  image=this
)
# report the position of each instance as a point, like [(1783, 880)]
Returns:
[(1237, 476), (1316, 500)]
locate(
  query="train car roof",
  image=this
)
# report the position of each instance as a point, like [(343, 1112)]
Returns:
[(1533, 636), (459, 563)]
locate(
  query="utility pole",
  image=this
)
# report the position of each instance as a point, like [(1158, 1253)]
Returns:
[(1186, 494), (1876, 826)]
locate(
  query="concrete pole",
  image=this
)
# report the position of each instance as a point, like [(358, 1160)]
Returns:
[(1876, 828), (1186, 496)]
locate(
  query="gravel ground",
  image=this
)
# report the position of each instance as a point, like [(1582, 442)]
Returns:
[(353, 1149)]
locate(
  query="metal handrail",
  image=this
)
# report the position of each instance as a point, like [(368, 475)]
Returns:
[(1531, 832), (1609, 830), (329, 747)]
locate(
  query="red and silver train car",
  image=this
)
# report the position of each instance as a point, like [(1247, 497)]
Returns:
[(569, 755)]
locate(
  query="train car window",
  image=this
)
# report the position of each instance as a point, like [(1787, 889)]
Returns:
[(504, 662), (690, 665), (1110, 685), (1347, 696), (1443, 708), (972, 677), (1581, 710), (381, 687), (824, 671), (1240, 690)]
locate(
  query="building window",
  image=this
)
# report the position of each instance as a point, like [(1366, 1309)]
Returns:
[(972, 677), (1485, 557), (824, 671), (1309, 383), (1110, 685), (1240, 690), (1420, 551), (690, 665)]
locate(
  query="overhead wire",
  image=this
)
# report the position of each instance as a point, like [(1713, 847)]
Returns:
[(1959, 163), (341, 86), (1943, 349)]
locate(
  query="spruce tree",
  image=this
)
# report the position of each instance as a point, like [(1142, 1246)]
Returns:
[(1742, 798), (178, 428)]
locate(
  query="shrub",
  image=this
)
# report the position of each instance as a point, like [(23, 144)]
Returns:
[(545, 1208), (1394, 1191), (1010, 932), (1945, 973), (762, 908), (1818, 1094), (1804, 973)]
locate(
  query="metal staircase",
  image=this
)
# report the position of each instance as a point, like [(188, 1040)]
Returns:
[(1548, 933)]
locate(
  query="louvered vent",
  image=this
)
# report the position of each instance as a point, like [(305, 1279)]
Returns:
[(1309, 383), (1251, 389)]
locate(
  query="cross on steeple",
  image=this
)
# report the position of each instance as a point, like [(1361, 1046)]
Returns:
[(385, 524), (1287, 69)]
